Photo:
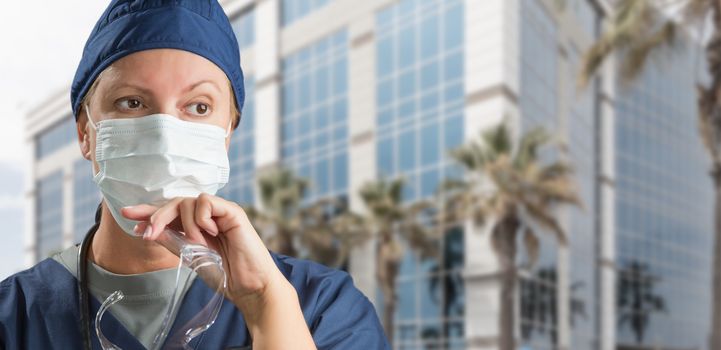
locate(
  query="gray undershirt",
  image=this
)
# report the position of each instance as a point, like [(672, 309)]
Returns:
[(147, 295)]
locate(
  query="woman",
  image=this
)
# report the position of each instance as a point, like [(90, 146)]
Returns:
[(156, 97)]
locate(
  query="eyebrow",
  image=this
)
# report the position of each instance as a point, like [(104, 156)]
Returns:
[(149, 92), (195, 85), (132, 86)]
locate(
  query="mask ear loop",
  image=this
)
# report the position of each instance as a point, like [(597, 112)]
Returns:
[(229, 129), (87, 112)]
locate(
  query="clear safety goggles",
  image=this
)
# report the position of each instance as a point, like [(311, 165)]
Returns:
[(203, 262)]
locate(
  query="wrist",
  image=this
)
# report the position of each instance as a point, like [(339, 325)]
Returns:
[(278, 294)]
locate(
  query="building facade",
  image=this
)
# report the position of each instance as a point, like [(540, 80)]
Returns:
[(345, 92)]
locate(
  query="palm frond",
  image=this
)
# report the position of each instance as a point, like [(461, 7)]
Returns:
[(542, 215), (630, 18), (636, 55), (498, 140), (529, 144)]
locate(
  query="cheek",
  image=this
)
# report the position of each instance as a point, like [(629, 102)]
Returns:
[(92, 140)]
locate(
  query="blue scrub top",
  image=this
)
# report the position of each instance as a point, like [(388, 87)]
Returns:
[(39, 310)]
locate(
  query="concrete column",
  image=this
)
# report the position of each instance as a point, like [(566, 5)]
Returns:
[(267, 83), (491, 89), (68, 204), (607, 219), (362, 147), (563, 292), (30, 203)]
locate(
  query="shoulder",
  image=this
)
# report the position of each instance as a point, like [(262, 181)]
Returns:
[(42, 292), (45, 275), (338, 314), (311, 278), (35, 287)]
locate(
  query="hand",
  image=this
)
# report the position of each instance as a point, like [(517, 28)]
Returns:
[(269, 302), (223, 226)]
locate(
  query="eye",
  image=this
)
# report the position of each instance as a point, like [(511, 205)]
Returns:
[(130, 103), (199, 109)]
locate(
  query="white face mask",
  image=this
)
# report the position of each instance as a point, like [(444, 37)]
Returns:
[(155, 158)]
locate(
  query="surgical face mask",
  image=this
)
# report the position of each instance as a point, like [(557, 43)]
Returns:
[(155, 158)]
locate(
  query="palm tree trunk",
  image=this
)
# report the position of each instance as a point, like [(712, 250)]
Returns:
[(285, 244), (387, 268), (504, 234)]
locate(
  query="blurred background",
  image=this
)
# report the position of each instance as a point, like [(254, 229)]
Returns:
[(494, 174)]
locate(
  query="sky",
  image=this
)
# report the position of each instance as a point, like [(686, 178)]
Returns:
[(42, 42)]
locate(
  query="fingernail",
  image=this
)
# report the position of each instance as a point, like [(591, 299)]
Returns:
[(128, 207), (148, 231), (136, 229)]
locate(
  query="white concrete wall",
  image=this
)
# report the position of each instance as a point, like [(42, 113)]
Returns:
[(29, 240), (50, 112), (607, 249), (362, 148), (267, 83), (491, 90)]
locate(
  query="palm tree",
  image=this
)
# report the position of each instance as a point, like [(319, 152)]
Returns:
[(637, 299), (394, 223), (519, 193), (638, 30), (329, 231), (281, 194), (323, 230)]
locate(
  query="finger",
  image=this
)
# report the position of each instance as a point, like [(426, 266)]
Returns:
[(162, 217), (140, 228), (141, 212), (187, 218), (207, 207)]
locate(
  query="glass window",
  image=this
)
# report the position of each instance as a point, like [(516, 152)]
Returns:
[(340, 172), (297, 9), (340, 76), (453, 27), (86, 197), (429, 36), (384, 94), (49, 215), (406, 47), (385, 157), (419, 52), (453, 132), (453, 67), (244, 29), (406, 150), (55, 137), (430, 145), (319, 70), (429, 76), (241, 153), (384, 56), (429, 182)]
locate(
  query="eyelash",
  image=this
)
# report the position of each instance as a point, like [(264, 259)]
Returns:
[(129, 98), (140, 101), (209, 108)]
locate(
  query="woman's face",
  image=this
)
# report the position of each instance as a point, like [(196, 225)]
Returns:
[(169, 81)]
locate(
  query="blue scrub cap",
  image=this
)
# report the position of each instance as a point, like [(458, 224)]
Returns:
[(128, 26)]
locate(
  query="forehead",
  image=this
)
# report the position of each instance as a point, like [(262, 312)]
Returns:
[(163, 67)]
